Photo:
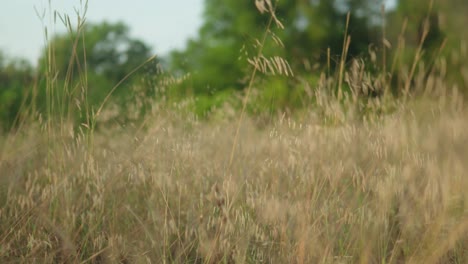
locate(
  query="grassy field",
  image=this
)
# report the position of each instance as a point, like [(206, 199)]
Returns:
[(382, 189), (360, 176)]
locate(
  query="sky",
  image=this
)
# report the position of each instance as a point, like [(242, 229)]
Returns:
[(163, 24)]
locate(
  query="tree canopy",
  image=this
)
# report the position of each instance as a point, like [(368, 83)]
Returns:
[(97, 56), (310, 28), (16, 78), (107, 48)]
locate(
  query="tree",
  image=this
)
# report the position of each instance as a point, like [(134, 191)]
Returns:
[(16, 78), (97, 56), (420, 16), (435, 27), (232, 27)]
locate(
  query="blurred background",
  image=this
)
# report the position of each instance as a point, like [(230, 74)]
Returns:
[(203, 49)]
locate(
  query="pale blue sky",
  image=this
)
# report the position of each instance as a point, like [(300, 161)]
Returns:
[(163, 24)]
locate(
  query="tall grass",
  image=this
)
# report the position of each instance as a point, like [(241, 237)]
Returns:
[(352, 179)]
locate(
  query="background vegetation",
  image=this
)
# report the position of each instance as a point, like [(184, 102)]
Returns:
[(214, 66), (286, 132)]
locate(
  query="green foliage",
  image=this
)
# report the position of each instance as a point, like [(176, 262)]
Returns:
[(204, 105), (15, 79), (106, 48), (278, 94), (232, 33), (88, 63), (419, 16), (431, 39)]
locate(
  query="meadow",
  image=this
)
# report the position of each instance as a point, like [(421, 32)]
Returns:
[(351, 177), (383, 189)]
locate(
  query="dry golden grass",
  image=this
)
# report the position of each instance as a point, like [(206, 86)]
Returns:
[(390, 190)]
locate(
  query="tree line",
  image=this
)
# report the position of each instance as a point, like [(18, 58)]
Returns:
[(81, 68)]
